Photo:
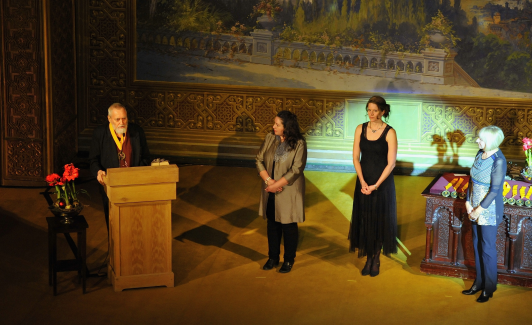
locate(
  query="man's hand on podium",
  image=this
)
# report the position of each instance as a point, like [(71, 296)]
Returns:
[(101, 175)]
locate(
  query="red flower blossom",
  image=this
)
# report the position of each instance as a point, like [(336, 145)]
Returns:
[(52, 179), (71, 173)]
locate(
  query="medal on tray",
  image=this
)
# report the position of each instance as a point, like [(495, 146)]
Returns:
[(527, 197), (520, 202), (454, 194), (511, 200), (506, 189), (463, 193), (446, 193)]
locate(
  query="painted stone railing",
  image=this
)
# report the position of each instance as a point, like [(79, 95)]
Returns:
[(431, 66)]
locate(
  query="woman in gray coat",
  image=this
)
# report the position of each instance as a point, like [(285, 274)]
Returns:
[(280, 162)]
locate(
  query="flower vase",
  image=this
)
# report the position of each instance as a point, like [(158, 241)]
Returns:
[(266, 22), (66, 215), (526, 173)]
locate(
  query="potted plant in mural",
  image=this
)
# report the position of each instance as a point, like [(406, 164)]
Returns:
[(527, 171), (267, 11), (67, 204), (439, 33)]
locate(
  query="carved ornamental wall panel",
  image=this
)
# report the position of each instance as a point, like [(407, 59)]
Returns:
[(63, 81), (23, 136), (39, 113)]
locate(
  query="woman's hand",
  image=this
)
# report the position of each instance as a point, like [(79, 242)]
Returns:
[(468, 207), (364, 189), (270, 188), (473, 216), (369, 189), (273, 188)]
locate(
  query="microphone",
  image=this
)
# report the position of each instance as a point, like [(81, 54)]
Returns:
[(123, 135)]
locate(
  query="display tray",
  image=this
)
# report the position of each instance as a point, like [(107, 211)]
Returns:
[(438, 187)]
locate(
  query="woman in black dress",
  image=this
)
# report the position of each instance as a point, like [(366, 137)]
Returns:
[(374, 219)]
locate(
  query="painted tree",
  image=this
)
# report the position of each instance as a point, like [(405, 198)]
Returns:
[(153, 7), (299, 20)]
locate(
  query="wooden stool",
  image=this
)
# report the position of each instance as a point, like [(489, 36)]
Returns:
[(55, 227)]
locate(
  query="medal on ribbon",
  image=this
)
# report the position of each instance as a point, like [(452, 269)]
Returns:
[(514, 190), (506, 188), (119, 143), (448, 186), (459, 183), (529, 192)]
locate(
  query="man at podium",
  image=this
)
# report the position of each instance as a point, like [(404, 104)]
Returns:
[(117, 144)]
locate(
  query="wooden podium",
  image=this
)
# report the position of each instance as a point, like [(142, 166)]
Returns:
[(140, 225)]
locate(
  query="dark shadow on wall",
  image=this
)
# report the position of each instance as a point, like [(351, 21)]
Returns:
[(395, 86), (240, 149), (446, 162), (403, 168)]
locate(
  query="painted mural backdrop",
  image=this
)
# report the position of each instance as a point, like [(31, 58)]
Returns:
[(478, 48)]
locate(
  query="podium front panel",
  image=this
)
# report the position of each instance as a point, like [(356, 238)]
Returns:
[(145, 240)]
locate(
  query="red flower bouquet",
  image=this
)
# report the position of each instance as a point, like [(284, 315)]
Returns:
[(65, 188), (526, 173)]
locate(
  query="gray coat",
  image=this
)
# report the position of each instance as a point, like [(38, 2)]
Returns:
[(290, 203)]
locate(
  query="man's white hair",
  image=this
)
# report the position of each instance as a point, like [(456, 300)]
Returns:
[(115, 106)]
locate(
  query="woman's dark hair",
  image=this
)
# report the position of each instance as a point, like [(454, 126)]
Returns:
[(292, 131), (381, 104)]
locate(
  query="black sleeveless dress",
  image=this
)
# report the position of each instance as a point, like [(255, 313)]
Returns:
[(374, 219)]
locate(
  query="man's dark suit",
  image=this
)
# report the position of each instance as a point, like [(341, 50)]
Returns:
[(103, 154)]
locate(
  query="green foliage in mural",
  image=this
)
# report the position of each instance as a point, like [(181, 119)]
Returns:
[(495, 63), (497, 56)]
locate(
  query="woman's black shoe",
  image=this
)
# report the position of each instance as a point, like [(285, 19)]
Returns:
[(374, 270), (375, 265), (270, 264), (472, 290), (365, 270), (484, 296), (286, 267)]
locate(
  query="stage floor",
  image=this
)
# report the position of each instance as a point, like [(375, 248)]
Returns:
[(219, 248)]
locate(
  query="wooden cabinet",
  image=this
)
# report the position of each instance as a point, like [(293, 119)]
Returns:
[(449, 244)]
